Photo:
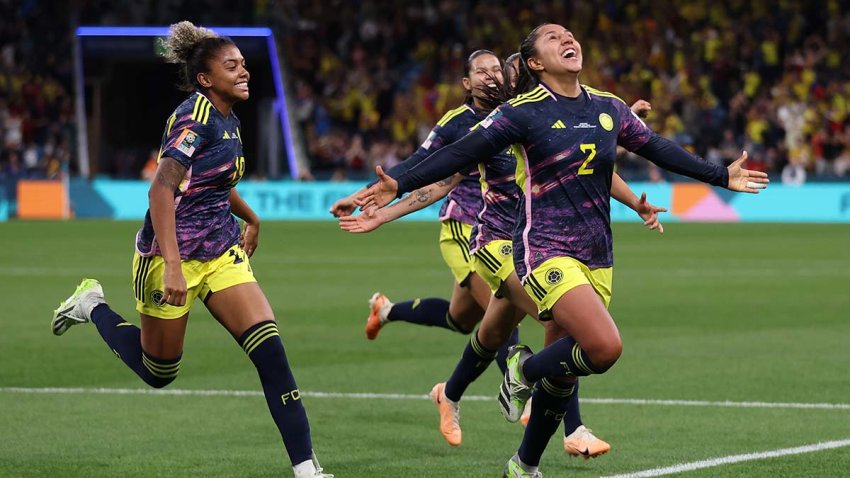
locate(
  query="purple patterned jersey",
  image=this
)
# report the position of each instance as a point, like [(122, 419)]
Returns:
[(566, 149), (501, 193), (464, 201), (210, 147)]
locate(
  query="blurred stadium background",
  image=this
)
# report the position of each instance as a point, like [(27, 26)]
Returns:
[(711, 313)]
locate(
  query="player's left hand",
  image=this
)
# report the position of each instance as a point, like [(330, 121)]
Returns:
[(745, 180), (250, 238), (649, 213), (641, 108)]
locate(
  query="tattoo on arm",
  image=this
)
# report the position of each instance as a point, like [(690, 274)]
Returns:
[(420, 195), (445, 182), (170, 173)]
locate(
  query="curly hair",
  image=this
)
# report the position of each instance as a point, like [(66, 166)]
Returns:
[(191, 47)]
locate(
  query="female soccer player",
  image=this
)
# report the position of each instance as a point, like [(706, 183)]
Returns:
[(470, 295), (492, 259), (190, 245), (562, 242)]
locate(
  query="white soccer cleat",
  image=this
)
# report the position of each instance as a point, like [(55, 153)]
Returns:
[(77, 308), (514, 391), (582, 442), (513, 469), (310, 469)]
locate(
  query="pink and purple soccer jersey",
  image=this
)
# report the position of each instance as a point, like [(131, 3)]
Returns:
[(209, 146), (566, 148), (500, 192)]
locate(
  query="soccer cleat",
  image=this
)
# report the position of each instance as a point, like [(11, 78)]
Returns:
[(310, 469), (582, 442), (77, 308), (526, 413), (449, 414), (379, 307), (515, 392), (514, 470)]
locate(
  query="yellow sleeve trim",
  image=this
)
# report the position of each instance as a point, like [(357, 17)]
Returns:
[(201, 111), (594, 91), (451, 114)]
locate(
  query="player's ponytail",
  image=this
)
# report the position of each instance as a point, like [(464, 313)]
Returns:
[(527, 79), (191, 47)]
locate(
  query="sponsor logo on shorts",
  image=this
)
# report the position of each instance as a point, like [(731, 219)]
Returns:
[(506, 250), (156, 297), (553, 276)]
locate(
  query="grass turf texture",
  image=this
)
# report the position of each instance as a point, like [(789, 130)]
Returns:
[(707, 312)]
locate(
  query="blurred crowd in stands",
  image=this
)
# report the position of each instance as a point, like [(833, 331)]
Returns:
[(772, 78), (368, 79), (37, 131)]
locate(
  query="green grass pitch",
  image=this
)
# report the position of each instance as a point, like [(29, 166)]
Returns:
[(741, 313)]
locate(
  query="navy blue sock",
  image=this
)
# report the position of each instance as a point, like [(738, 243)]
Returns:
[(564, 357), (432, 312), (572, 419), (472, 364), (502, 357), (263, 346), (548, 405), (125, 340)]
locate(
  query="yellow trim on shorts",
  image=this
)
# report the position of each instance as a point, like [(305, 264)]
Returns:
[(454, 247), (558, 275), (494, 262)]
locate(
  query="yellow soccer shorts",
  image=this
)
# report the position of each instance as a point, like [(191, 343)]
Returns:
[(558, 275), (202, 279), (494, 263), (454, 245)]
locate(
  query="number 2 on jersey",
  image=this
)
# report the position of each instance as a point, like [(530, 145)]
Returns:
[(590, 149)]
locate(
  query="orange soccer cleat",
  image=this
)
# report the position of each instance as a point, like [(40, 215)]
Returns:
[(449, 414)]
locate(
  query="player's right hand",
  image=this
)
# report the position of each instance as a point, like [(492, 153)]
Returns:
[(379, 194), (745, 180), (174, 284), (343, 207), (366, 221)]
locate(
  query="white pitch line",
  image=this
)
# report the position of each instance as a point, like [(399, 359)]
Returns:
[(726, 460), (402, 396)]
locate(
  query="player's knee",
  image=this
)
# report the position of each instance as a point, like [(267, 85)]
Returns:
[(606, 355)]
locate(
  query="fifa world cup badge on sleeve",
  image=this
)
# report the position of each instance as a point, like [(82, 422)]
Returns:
[(496, 114), (187, 141)]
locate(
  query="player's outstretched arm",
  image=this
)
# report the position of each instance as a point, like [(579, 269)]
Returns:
[(672, 157), (373, 218), (458, 156), (621, 191), (250, 236)]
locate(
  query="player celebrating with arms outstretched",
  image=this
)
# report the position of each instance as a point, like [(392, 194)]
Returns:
[(563, 246)]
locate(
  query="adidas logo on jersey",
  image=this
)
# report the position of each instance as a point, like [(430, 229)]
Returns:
[(559, 125)]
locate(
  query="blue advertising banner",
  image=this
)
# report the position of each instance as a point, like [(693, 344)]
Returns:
[(688, 202)]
